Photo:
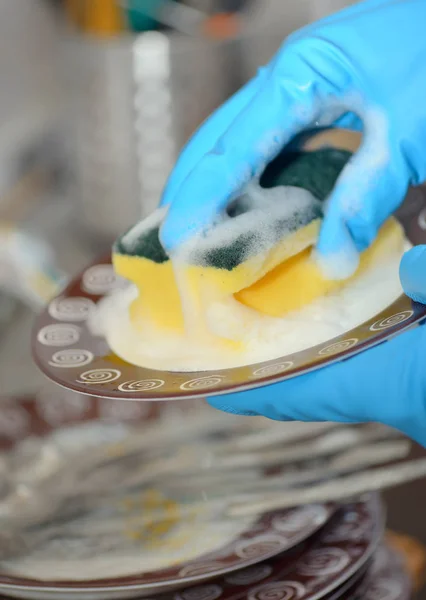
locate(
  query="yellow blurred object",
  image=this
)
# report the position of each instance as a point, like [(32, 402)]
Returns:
[(298, 281), (414, 555), (97, 17), (103, 18), (27, 266)]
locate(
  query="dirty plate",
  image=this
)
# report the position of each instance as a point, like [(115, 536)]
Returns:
[(83, 530), (386, 579)]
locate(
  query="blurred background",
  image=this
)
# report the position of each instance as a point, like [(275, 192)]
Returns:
[(97, 98)]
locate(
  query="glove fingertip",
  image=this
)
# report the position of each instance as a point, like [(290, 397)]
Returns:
[(336, 253), (220, 404), (412, 273), (185, 218)]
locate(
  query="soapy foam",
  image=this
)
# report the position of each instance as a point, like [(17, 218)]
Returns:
[(263, 337), (339, 265), (130, 239), (267, 215), (363, 170), (291, 207)]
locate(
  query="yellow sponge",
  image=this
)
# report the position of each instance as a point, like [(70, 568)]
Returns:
[(159, 301), (287, 286), (298, 281)]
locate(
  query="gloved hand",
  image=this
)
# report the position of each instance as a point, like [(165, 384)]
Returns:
[(386, 384), (368, 60)]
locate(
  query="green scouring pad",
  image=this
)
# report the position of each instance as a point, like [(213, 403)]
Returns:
[(315, 172)]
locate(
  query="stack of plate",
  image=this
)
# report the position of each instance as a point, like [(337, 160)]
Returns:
[(108, 499)]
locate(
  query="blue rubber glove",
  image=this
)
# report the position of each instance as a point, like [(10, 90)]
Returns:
[(386, 384), (368, 60)]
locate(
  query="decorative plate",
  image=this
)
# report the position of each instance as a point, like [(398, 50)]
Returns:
[(386, 579), (308, 571), (264, 537), (314, 569), (69, 354)]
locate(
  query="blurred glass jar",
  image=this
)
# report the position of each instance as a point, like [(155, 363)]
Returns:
[(135, 100)]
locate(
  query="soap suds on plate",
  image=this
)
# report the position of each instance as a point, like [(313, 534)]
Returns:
[(259, 337), (90, 512)]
